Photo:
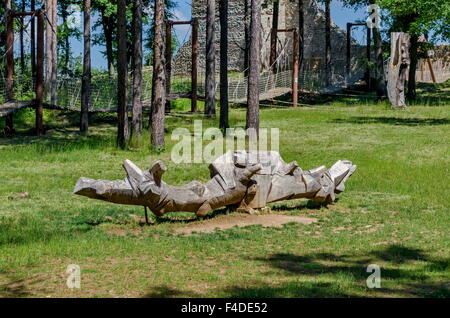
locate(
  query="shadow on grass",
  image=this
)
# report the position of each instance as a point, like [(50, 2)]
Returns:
[(62, 131), (165, 291), (410, 282), (186, 217), (394, 121), (16, 288)]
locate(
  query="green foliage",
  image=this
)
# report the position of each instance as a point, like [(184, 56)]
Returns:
[(418, 16)]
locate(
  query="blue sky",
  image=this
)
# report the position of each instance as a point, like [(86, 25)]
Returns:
[(339, 15)]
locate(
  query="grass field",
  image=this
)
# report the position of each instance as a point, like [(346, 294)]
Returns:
[(393, 213)]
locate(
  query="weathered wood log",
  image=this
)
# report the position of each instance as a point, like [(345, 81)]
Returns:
[(397, 70), (244, 180)]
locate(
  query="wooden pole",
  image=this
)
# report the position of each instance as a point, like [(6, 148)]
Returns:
[(168, 62), (9, 65), (194, 65), (430, 65), (39, 72), (295, 68)]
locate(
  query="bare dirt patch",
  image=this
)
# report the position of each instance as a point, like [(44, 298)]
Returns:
[(242, 220)]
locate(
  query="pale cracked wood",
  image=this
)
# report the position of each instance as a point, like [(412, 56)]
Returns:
[(243, 180), (398, 67)]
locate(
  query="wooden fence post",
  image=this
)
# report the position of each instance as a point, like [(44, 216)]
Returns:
[(295, 68)]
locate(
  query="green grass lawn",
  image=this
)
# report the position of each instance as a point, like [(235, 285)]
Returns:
[(393, 213)]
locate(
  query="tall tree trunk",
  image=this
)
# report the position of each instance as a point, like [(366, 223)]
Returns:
[(48, 48), (108, 29), (223, 63), (64, 15), (254, 67), (327, 43), (380, 84), (273, 35), (301, 34), (122, 83), (411, 95), (22, 49), (210, 81), (137, 70), (159, 78), (246, 37), (33, 41), (86, 83)]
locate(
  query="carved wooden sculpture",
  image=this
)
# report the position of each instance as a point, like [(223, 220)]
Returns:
[(243, 180), (398, 66)]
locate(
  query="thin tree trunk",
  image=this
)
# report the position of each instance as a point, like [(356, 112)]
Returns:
[(327, 43), (137, 70), (254, 67), (108, 28), (159, 89), (33, 42), (380, 84), (246, 37), (86, 83), (223, 64), (64, 15), (22, 49), (48, 48), (54, 48), (273, 35), (411, 95), (122, 133), (301, 33), (210, 81)]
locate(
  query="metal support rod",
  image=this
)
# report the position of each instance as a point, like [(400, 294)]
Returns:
[(168, 62), (39, 72), (194, 65)]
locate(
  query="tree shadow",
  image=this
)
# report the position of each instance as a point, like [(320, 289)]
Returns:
[(414, 282), (165, 291), (394, 121), (305, 205), (17, 288)]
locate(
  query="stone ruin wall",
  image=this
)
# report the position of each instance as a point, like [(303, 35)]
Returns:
[(314, 46)]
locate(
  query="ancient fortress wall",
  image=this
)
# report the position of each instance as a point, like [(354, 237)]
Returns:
[(314, 54)]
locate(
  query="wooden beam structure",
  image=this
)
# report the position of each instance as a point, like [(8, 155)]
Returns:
[(194, 61), (349, 47), (295, 59)]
